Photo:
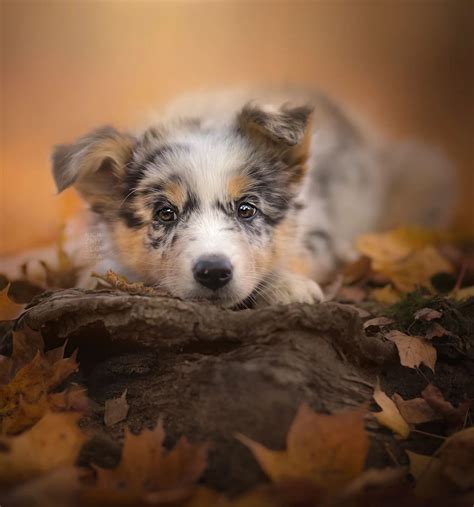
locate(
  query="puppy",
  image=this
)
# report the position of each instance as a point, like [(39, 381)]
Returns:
[(248, 197)]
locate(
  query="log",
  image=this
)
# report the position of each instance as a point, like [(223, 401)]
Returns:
[(209, 372)]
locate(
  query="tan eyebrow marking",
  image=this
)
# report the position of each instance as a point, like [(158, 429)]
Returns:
[(237, 186), (175, 193)]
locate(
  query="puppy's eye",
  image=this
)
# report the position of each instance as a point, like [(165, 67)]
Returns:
[(246, 210), (167, 215)]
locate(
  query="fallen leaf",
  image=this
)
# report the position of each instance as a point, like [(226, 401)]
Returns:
[(116, 410), (25, 398), (371, 479), (415, 411), (60, 487), (413, 350), (395, 245), (463, 293), (390, 416), (386, 295), (120, 282), (286, 493), (328, 450), (9, 310), (53, 442), (25, 344), (66, 273), (451, 470), (427, 472), (427, 314), (436, 331), (407, 257), (454, 416), (457, 459), (148, 473), (378, 322)]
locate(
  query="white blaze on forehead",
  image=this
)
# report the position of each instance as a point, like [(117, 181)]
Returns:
[(206, 162)]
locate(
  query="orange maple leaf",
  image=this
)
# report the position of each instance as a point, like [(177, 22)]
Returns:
[(327, 450), (148, 473)]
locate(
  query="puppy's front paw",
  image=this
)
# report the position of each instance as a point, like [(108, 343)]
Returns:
[(294, 289)]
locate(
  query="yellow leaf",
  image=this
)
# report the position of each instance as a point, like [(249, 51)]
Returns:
[(55, 441), (464, 293), (408, 257), (390, 416), (328, 450), (386, 295)]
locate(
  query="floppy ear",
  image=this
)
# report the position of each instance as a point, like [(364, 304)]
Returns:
[(94, 164), (287, 130)]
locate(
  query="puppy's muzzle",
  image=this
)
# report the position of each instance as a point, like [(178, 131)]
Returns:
[(213, 271)]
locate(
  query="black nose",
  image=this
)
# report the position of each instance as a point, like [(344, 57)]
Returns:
[(213, 271)]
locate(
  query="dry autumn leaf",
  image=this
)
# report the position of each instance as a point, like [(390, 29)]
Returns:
[(120, 282), (27, 395), (454, 416), (149, 473), (9, 310), (413, 350), (386, 295), (66, 273), (427, 314), (390, 416), (427, 473), (451, 469), (327, 450), (407, 257), (116, 409), (53, 442), (59, 487), (436, 331), (457, 459), (415, 411), (463, 293)]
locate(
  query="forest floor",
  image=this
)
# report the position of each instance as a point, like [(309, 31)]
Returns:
[(122, 395)]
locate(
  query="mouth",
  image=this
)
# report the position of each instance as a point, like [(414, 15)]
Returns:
[(225, 297)]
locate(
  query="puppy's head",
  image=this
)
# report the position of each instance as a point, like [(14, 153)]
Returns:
[(198, 210)]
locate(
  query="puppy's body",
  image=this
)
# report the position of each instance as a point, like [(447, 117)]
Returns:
[(248, 196)]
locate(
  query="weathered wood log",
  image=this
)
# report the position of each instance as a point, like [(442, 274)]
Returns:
[(210, 372)]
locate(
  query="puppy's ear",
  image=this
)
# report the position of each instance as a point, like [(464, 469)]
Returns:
[(286, 130), (94, 165)]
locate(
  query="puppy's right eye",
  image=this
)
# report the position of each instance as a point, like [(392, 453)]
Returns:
[(167, 215)]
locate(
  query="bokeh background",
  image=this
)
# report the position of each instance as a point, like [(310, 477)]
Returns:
[(69, 66)]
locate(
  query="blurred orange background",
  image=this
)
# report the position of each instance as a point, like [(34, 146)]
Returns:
[(69, 66)]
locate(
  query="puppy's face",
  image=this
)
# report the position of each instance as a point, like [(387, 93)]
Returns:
[(197, 211)]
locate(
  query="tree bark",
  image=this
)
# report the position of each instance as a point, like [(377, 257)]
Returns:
[(210, 372)]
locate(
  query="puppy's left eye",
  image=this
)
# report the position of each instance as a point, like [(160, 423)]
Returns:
[(167, 215), (246, 210)]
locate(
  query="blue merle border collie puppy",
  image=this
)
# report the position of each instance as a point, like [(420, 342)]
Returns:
[(248, 197)]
